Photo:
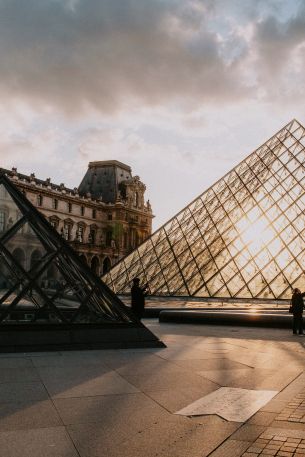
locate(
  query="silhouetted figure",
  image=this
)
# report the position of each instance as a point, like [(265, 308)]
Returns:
[(138, 298), (297, 306)]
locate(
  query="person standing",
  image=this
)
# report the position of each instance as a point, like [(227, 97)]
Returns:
[(138, 298), (297, 306)]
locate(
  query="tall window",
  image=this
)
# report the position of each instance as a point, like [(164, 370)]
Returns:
[(82, 210), (54, 203), (136, 199), (94, 214), (67, 231), (39, 200), (69, 207), (2, 221), (92, 236), (80, 233), (54, 223)]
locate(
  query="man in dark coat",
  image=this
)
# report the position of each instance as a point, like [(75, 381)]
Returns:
[(297, 311), (138, 298)]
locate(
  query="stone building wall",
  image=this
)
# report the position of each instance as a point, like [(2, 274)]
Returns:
[(102, 232)]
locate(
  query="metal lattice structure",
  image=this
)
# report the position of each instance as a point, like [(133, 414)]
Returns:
[(42, 280), (243, 237)]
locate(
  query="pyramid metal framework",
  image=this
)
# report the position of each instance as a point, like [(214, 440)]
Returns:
[(42, 280), (244, 237)]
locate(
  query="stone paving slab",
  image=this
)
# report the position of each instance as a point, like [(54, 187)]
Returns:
[(39, 442), (174, 437), (69, 360), (274, 406), (14, 362), (218, 363), (167, 379), (227, 378), (21, 391), (175, 398), (148, 367), (74, 382), (262, 418), (115, 403), (117, 411), (28, 415), (23, 374)]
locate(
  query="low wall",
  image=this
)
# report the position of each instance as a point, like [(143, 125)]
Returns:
[(251, 319), (43, 337)]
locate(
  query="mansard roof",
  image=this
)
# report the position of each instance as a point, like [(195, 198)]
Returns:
[(102, 179)]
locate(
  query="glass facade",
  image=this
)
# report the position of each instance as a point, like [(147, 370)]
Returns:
[(42, 280), (244, 237)]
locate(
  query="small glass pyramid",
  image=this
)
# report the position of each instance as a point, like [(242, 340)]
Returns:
[(244, 237), (42, 280)]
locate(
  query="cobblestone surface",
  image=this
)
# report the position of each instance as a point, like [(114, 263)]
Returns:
[(295, 410), (276, 445)]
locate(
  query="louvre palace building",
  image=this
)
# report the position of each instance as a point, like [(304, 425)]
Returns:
[(103, 219)]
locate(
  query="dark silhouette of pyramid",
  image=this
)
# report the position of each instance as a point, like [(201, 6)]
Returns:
[(244, 237), (48, 296)]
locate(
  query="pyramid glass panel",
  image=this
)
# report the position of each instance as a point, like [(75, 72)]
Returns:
[(42, 280), (243, 237), (9, 211)]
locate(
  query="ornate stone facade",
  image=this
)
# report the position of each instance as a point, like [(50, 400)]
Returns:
[(103, 219)]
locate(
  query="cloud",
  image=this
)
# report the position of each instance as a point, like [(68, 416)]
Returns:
[(181, 91), (279, 41), (106, 54), (113, 55)]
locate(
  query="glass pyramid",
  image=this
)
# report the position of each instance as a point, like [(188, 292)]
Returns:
[(42, 280), (244, 237)]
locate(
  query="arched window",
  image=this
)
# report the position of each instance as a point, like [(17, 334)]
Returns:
[(83, 258), (19, 256), (54, 221), (67, 231), (106, 265), (80, 233), (35, 257), (92, 236), (95, 265)]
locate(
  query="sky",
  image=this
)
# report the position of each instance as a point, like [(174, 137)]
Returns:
[(179, 90)]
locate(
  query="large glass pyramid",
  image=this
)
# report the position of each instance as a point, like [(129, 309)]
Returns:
[(43, 283), (244, 237)]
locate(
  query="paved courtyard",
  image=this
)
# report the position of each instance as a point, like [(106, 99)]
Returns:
[(121, 403)]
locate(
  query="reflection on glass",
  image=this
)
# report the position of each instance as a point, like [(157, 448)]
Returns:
[(41, 280), (243, 237)]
